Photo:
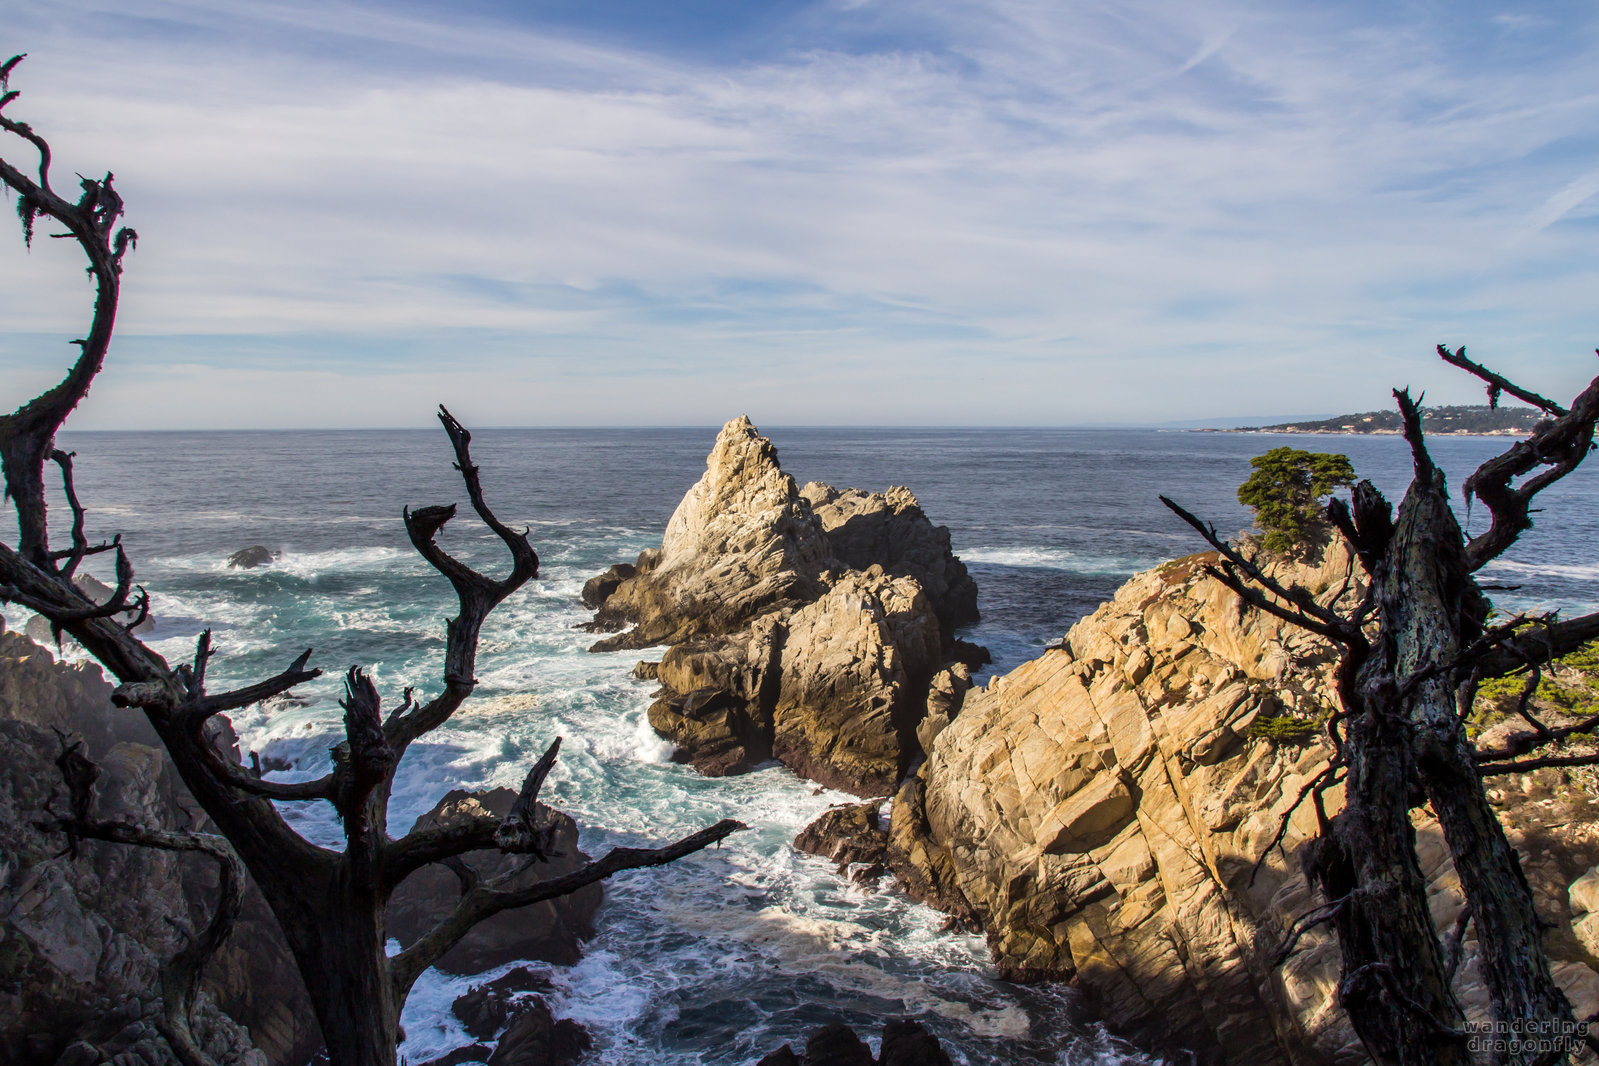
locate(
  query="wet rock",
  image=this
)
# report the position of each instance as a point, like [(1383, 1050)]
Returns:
[(847, 834), (537, 1038), (837, 1045), (596, 590), (255, 555), (469, 1053), (485, 1010), (905, 1043)]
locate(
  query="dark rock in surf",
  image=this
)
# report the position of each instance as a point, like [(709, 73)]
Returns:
[(485, 1010), (905, 1043), (537, 1038), (598, 589), (250, 558), (847, 834)]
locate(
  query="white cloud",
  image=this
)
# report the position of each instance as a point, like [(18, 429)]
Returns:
[(1307, 202)]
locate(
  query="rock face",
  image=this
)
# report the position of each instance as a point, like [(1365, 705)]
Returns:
[(1099, 810), (551, 931), (82, 940), (805, 626)]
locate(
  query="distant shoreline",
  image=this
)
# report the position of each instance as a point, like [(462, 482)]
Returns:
[(1369, 432)]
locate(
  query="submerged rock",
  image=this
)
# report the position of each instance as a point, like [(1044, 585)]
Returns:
[(803, 626)]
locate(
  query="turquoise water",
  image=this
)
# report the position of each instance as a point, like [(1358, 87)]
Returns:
[(721, 957)]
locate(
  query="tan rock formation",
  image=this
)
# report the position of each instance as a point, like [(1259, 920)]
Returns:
[(1101, 808), (804, 626)]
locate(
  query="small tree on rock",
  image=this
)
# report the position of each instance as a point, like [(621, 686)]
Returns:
[(1414, 652), (1288, 491)]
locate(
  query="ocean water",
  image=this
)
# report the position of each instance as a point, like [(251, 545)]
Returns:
[(729, 953)]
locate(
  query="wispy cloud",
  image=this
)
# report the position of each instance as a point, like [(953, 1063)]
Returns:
[(981, 212)]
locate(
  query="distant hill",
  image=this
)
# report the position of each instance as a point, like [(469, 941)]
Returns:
[(1480, 420)]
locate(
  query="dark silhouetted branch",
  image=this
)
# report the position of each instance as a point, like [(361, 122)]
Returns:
[(486, 900)]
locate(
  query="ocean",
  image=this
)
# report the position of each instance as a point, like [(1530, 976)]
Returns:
[(722, 957)]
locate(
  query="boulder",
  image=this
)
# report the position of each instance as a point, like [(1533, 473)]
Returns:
[(485, 1010), (905, 1043), (805, 627), (847, 834), (596, 590), (250, 558), (537, 1038), (551, 931)]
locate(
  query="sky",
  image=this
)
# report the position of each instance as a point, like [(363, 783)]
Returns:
[(815, 212)]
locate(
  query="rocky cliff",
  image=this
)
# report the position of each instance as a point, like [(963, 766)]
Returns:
[(1099, 811), (803, 625), (82, 940)]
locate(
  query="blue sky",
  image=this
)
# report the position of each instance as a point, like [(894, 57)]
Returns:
[(837, 212)]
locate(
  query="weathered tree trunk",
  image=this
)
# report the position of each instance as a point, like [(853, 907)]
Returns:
[(1394, 982)]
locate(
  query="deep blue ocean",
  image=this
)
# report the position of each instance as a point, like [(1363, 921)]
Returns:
[(724, 956)]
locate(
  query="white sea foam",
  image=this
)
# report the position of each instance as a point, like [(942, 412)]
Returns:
[(1056, 559)]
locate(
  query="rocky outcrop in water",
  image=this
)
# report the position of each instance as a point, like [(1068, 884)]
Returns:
[(1099, 811), (905, 1043), (804, 625)]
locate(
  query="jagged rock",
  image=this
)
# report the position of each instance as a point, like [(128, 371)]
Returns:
[(596, 590), (742, 540), (80, 940), (846, 834), (866, 529), (1100, 809), (788, 638), (550, 931), (537, 1038), (837, 1045), (853, 682), (468, 1053), (485, 1010), (906, 1043), (253, 556)]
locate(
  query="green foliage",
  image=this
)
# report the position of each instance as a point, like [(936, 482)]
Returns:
[(1570, 687), (1287, 491), (1287, 729)]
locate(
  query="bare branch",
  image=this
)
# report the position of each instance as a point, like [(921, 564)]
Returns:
[(276, 685), (1304, 924), (1310, 614), (483, 901), (1526, 765), (520, 833), (1561, 445), (1456, 939), (1496, 383)]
